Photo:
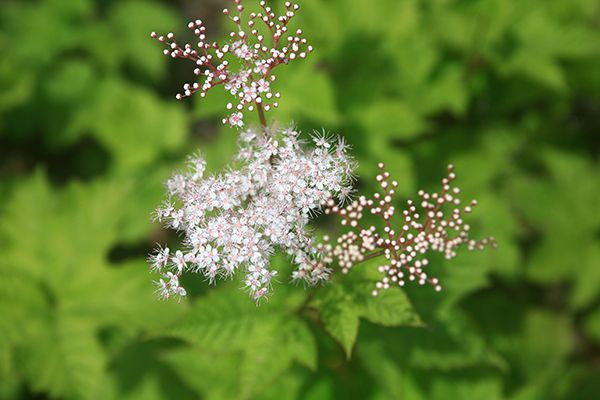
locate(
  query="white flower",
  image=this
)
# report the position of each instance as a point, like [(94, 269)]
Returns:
[(199, 166), (238, 218), (179, 260), (263, 85), (236, 119), (322, 141), (162, 289), (160, 259)]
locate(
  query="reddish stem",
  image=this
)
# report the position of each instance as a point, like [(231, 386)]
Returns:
[(261, 116)]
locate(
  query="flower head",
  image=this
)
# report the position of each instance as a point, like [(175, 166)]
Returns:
[(259, 43), (235, 220)]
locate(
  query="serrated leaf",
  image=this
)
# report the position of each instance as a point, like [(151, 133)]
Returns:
[(347, 299), (202, 370), (66, 361), (151, 127), (266, 339), (57, 241), (341, 321)]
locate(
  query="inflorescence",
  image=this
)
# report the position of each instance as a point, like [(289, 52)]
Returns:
[(236, 220), (433, 224), (256, 47)]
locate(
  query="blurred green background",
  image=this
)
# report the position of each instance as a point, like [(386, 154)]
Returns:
[(507, 90)]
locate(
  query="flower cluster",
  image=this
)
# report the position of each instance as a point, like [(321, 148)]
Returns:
[(435, 223), (258, 44), (235, 220)]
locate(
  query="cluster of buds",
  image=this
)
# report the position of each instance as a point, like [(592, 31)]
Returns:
[(258, 44), (235, 220), (435, 223)]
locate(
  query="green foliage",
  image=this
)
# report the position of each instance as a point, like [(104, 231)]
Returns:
[(257, 344), (508, 91), (348, 298)]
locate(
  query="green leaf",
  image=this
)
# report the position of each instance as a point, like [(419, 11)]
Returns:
[(467, 388), (306, 93), (390, 119), (568, 219), (383, 369), (346, 299), (537, 67), (445, 92), (452, 341), (389, 357), (151, 127), (263, 341), (66, 361), (286, 387), (192, 363), (35, 211), (133, 34), (56, 245), (340, 317), (535, 342), (539, 354), (592, 325)]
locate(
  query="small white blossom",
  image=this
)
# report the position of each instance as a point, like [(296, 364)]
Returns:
[(160, 259)]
